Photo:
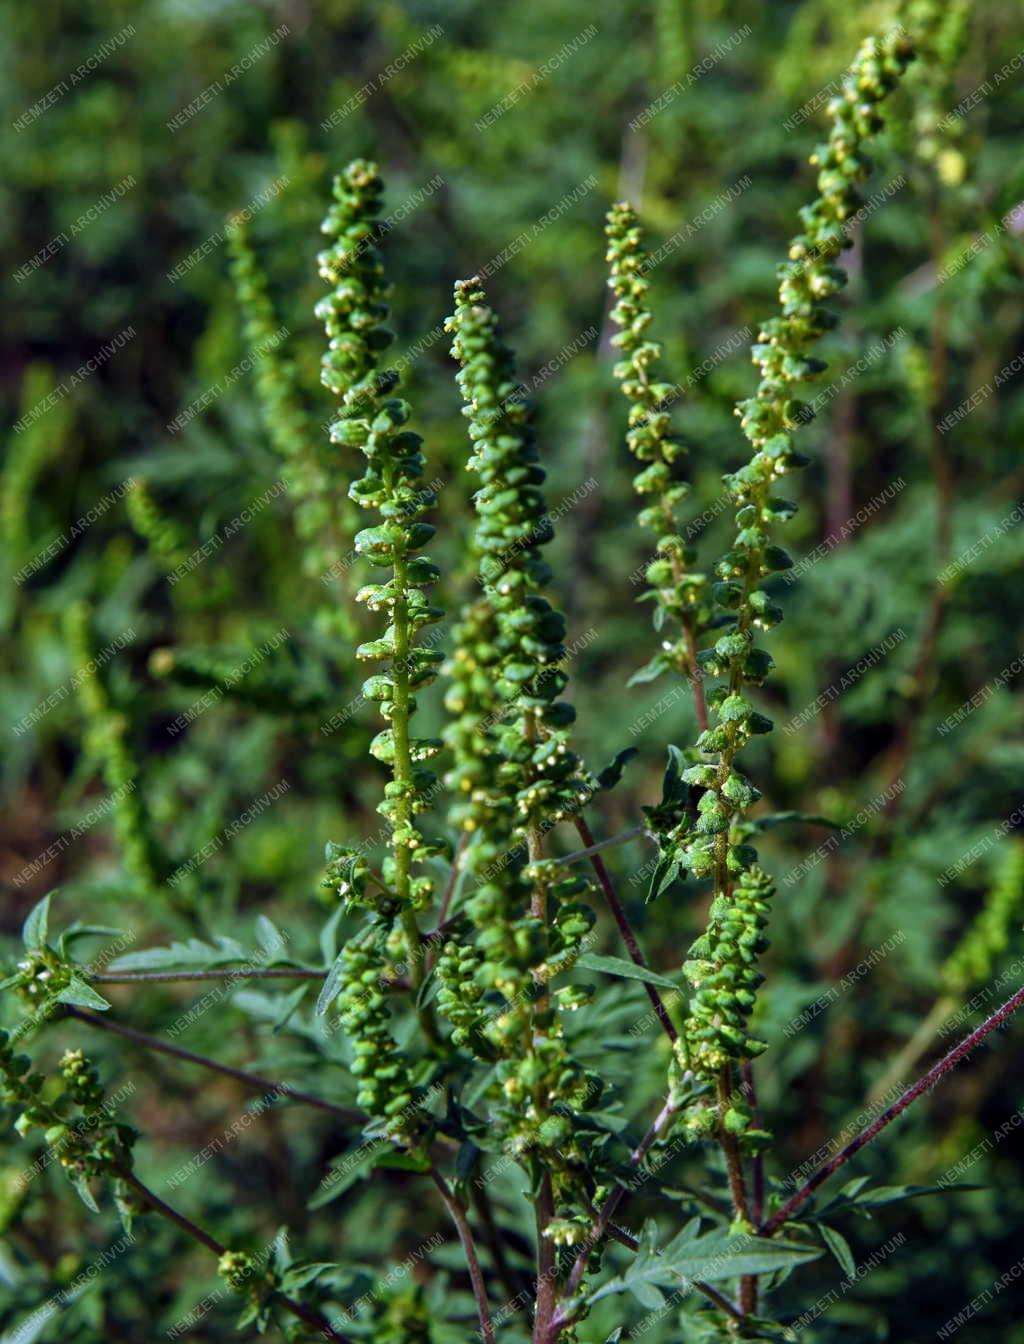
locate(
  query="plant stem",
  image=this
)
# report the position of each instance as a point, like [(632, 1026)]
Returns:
[(516, 1283), (402, 774), (925, 1084), (458, 1214), (730, 1146), (621, 839), (757, 1165), (254, 1080), (619, 915), (913, 1049), (546, 1264), (560, 1320), (446, 899), (311, 1318)]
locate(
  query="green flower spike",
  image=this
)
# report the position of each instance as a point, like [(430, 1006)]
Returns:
[(510, 739), (680, 594), (371, 421), (769, 419)]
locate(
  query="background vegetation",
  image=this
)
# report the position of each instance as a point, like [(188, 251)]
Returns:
[(499, 163)]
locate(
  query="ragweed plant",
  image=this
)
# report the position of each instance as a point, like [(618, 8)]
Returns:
[(456, 1037)]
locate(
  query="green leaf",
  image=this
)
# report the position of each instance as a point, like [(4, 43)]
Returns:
[(612, 772), (76, 931), (34, 930), (288, 1006), (331, 987), (673, 788), (84, 1193), (773, 819), (193, 955), (346, 1170), (650, 671), (270, 937), (592, 961), (82, 995), (664, 875), (840, 1248), (124, 1205), (329, 936), (404, 1161), (467, 1159), (303, 1272), (717, 1255), (895, 1194)]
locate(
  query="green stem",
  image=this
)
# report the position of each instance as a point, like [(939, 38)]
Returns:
[(403, 807)]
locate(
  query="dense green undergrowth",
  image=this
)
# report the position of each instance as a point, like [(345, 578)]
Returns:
[(375, 695)]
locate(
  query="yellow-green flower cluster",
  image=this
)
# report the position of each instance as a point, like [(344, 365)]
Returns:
[(769, 420), (511, 742), (722, 971), (322, 516), (973, 961), (679, 592), (371, 420), (381, 1071), (106, 735), (87, 1144)]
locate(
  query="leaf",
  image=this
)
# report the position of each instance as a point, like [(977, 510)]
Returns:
[(673, 789), (81, 1184), (288, 1006), (649, 1297), (192, 955), (82, 995), (664, 875), (592, 961), (346, 1170), (840, 1248), (34, 930), (773, 819), (270, 937), (612, 773), (404, 1161), (894, 1194), (125, 1206), (303, 1272), (467, 1159), (329, 936), (331, 987), (717, 1255), (75, 931), (650, 671)]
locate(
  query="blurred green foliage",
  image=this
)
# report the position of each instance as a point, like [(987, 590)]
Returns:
[(932, 323)]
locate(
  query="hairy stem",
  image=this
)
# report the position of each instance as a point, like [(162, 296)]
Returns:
[(253, 1080), (925, 1084), (621, 839), (458, 1214), (619, 915), (311, 1318)]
